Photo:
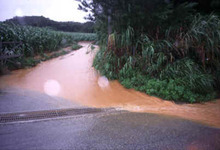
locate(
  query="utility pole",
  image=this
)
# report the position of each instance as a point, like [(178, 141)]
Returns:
[(109, 21)]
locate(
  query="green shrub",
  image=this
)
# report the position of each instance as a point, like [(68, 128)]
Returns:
[(105, 63), (75, 46), (92, 47), (166, 89), (190, 74)]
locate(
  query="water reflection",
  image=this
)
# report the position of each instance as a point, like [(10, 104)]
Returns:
[(73, 78)]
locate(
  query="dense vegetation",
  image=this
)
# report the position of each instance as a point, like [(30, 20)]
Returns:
[(35, 41), (166, 48), (40, 21)]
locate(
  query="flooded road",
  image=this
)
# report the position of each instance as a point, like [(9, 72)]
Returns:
[(72, 77)]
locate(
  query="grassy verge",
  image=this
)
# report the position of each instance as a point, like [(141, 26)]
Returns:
[(33, 61), (182, 81)]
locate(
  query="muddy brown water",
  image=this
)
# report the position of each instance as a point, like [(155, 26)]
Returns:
[(73, 77)]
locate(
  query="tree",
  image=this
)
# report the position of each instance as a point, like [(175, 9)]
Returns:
[(122, 13), (40, 21)]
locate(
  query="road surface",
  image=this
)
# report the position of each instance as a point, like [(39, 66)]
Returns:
[(107, 130)]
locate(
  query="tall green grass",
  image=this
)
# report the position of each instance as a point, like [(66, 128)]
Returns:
[(38, 40), (35, 41), (77, 36), (182, 65)]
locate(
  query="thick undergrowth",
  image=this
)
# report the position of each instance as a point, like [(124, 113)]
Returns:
[(178, 59)]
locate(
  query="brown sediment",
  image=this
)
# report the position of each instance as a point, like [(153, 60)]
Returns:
[(73, 77)]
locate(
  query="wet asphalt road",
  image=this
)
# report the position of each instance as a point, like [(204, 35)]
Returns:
[(19, 100), (107, 130), (110, 131)]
